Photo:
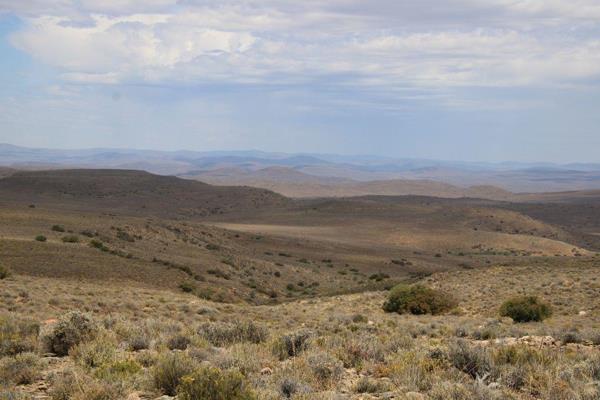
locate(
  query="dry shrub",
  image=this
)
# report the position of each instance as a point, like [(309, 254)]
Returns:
[(71, 385), (355, 350), (95, 353), (369, 385), (213, 384), (225, 334), (473, 360), (169, 370), (292, 344), (178, 342), (21, 369), (325, 368), (71, 329), (17, 335)]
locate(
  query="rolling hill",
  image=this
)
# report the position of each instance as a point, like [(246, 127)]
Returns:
[(132, 192), (293, 183)]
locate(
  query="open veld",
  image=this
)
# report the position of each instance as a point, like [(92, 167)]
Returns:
[(129, 285)]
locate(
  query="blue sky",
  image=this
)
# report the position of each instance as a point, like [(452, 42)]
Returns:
[(455, 79)]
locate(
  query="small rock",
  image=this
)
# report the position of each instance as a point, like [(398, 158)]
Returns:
[(266, 371), (582, 313)]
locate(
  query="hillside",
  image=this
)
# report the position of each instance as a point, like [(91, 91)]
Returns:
[(178, 274), (131, 192)]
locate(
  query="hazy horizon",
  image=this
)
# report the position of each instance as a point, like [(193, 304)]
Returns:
[(454, 80), (292, 154)]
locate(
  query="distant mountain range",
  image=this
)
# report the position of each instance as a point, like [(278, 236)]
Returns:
[(309, 175)]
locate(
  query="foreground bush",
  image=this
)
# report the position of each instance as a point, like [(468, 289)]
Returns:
[(418, 300), (169, 370), (17, 335), (213, 384), (73, 385), (525, 309), (73, 328), (22, 369), (95, 353)]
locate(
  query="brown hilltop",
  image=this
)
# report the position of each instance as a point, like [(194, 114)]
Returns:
[(130, 191)]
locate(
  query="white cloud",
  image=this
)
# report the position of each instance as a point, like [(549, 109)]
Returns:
[(379, 43)]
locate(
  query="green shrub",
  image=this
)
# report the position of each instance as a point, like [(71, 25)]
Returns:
[(71, 329), (525, 309), (169, 370), (224, 334), (70, 239), (58, 228), (4, 272), (213, 384), (40, 238), (418, 300), (98, 245)]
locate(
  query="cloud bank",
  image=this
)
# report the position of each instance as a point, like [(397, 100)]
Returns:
[(373, 44)]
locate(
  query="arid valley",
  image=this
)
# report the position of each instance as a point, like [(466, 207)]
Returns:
[(287, 294)]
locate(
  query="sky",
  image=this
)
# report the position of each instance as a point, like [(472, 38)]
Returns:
[(474, 80)]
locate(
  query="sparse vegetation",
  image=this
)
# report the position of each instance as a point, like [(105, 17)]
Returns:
[(244, 335), (41, 238)]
